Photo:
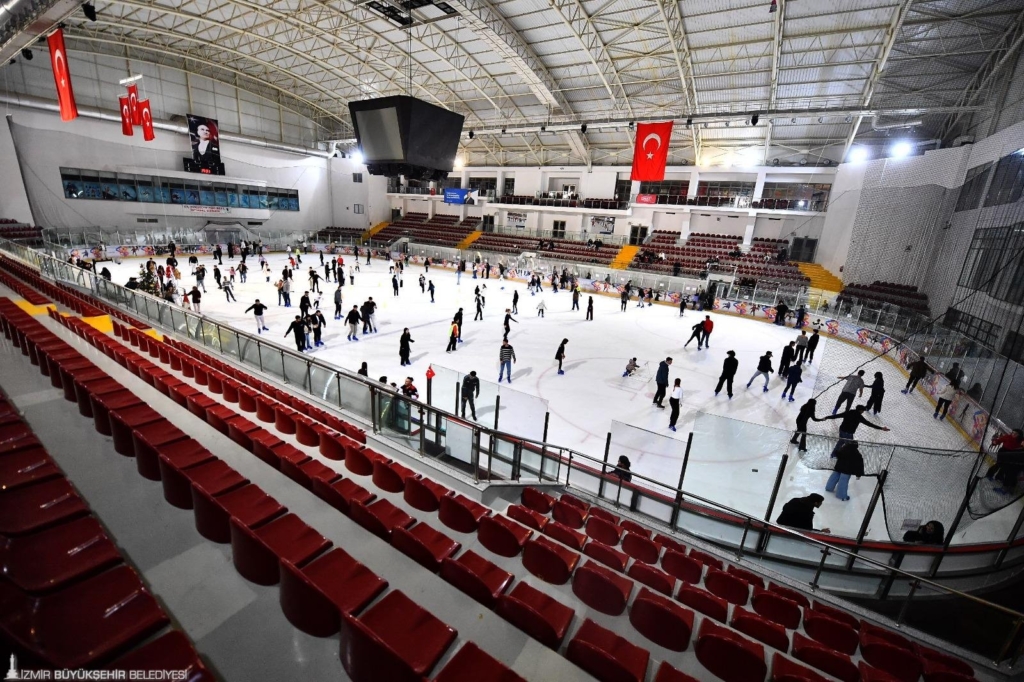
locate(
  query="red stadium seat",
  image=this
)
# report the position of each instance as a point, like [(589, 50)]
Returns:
[(360, 461), (790, 594), (836, 614), (603, 530), (941, 660), (537, 500), (536, 614), (567, 536), (527, 517), (666, 673), (607, 656), (830, 632), (215, 475), (604, 514), (761, 629), (314, 597), (27, 467), (887, 636), (340, 494), (172, 651), (750, 577), (606, 555), (706, 559), (568, 514), (703, 601), (601, 589), (667, 543), (395, 640), (461, 513), (549, 561), (477, 577), (502, 536), (823, 658), (776, 608), (50, 559), (380, 517), (40, 506), (785, 670), (661, 620), (937, 672), (248, 505), (685, 568), (635, 528), (391, 476), (471, 664), (652, 577), (728, 655), (901, 663), (640, 548), (727, 586), (424, 494), (424, 545), (257, 553)]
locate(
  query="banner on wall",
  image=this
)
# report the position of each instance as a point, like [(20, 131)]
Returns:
[(515, 219), (646, 198), (207, 209), (602, 224), (204, 136), (62, 76), (455, 195), (126, 115)]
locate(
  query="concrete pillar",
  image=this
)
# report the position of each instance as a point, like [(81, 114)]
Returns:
[(691, 190), (748, 231), (684, 229), (464, 183), (759, 186)]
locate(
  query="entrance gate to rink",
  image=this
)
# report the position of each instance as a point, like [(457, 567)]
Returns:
[(845, 565)]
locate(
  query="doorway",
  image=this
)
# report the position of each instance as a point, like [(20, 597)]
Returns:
[(803, 249), (637, 234)]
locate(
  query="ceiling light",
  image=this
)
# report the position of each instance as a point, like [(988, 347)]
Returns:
[(90, 11), (801, 203), (458, 162), (27, 54), (858, 155), (900, 150), (357, 158)]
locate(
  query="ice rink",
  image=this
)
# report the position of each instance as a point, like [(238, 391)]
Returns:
[(738, 443)]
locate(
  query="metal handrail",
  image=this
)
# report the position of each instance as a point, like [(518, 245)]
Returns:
[(34, 258)]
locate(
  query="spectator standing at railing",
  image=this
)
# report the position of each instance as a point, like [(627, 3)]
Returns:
[(799, 513), (172, 248)]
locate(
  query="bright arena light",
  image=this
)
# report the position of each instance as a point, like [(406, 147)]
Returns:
[(458, 162), (900, 150), (357, 158), (858, 155)]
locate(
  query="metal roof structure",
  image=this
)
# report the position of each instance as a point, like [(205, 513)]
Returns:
[(820, 74)]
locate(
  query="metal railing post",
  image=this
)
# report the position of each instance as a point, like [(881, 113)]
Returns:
[(906, 602), (373, 410), (821, 566), (679, 488), (458, 386), (423, 432), (875, 495), (604, 465), (956, 523), (762, 540)]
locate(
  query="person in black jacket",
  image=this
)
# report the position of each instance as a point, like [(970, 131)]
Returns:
[(805, 415), (877, 393), (515, 302), (848, 427), (297, 327), (470, 390), (812, 344), (794, 377), (918, 370), (788, 353), (352, 320), (799, 513), (698, 333), (458, 320), (590, 308), (661, 379), (931, 533), (560, 355), (849, 462), (258, 309), (764, 368), (729, 368), (403, 347)]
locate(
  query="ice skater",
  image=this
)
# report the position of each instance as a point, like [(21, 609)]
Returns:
[(812, 344), (506, 358), (479, 308), (877, 393), (317, 323), (515, 302), (801, 347), (423, 284), (469, 392), (369, 311), (576, 299), (296, 328), (541, 307), (854, 383), (314, 280), (430, 288), (764, 368), (943, 400), (403, 347), (918, 370), (674, 399), (851, 419), (788, 351), (258, 309), (590, 308), (352, 320), (196, 298), (560, 355), (661, 379), (631, 367), (793, 377), (708, 326), (337, 303), (458, 320), (729, 367), (805, 415), (624, 298), (698, 334), (508, 319), (229, 292), (849, 462), (453, 337), (394, 284)]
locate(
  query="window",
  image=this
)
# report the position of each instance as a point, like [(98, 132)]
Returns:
[(1013, 346), (796, 196), (357, 209), (724, 193), (483, 184), (510, 186), (975, 327), (357, 177), (1007, 181), (108, 186), (623, 188), (994, 263), (677, 187), (558, 229), (451, 183), (488, 223), (974, 185)]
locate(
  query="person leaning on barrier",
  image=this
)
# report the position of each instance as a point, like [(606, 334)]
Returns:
[(799, 513), (931, 533)]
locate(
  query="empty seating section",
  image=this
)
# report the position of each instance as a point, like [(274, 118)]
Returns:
[(561, 249), (441, 230), (903, 295), (27, 234), (740, 627), (337, 234), (699, 248)]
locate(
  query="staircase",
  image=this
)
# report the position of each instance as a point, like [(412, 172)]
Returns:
[(820, 277), (470, 238), (624, 257), (373, 230)]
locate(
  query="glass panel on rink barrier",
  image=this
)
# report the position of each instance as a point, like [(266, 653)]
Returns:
[(228, 342), (194, 326), (296, 371), (751, 454), (446, 387), (458, 444), (209, 335), (178, 322), (272, 360), (521, 413), (442, 388), (322, 380), (355, 397), (250, 351)]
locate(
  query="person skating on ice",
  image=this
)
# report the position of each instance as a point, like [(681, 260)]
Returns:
[(624, 299), (708, 326), (541, 307), (458, 320), (403, 347), (508, 320), (764, 368), (430, 288), (423, 284), (506, 358), (576, 299), (352, 320), (674, 398), (631, 367), (258, 309), (918, 370), (229, 292), (729, 367), (479, 308), (394, 284), (801, 347), (661, 379), (469, 391), (560, 355), (590, 308), (698, 335), (851, 419), (812, 345), (805, 415), (337, 303), (296, 328), (317, 322), (788, 353), (515, 302), (943, 400), (877, 389), (849, 462), (854, 383), (793, 377), (453, 337)]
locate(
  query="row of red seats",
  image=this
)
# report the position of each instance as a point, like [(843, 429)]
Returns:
[(829, 638), (324, 589), (23, 290), (67, 599)]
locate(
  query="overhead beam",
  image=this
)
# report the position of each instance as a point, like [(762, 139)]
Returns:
[(779, 20), (876, 73)]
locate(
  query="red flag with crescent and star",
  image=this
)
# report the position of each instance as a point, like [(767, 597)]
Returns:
[(126, 115), (62, 76), (146, 114), (133, 104), (651, 151)]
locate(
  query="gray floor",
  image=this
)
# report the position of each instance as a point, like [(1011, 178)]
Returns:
[(238, 627)]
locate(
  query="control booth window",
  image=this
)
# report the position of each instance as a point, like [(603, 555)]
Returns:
[(357, 209), (994, 264), (974, 185), (357, 177)]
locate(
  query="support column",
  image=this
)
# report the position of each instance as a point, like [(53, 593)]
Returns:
[(684, 228), (748, 231), (691, 190), (759, 186)]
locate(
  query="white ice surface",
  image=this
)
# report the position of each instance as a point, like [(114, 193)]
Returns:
[(739, 471)]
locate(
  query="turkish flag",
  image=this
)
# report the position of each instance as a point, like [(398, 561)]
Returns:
[(651, 151), (646, 198), (126, 116), (133, 103), (430, 372), (146, 114), (62, 76)]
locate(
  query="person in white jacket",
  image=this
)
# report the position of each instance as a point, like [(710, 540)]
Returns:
[(541, 307), (943, 401)]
